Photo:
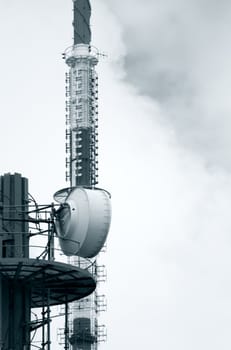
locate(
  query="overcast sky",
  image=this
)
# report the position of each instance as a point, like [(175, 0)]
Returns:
[(164, 154)]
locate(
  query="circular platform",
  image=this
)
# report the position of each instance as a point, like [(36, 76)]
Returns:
[(49, 282)]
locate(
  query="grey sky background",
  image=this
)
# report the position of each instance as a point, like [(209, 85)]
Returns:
[(164, 154)]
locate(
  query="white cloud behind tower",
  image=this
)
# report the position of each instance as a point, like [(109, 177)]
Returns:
[(169, 263)]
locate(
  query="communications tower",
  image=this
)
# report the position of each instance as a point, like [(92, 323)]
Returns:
[(82, 169), (82, 103), (31, 276)]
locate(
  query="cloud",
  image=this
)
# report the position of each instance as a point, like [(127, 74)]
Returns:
[(179, 54), (169, 260), (169, 248)]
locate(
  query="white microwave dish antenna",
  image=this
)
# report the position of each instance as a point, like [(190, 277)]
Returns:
[(83, 221)]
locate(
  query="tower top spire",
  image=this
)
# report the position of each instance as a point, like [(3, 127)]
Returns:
[(81, 22)]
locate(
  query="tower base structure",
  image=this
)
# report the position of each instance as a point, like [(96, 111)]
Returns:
[(27, 283)]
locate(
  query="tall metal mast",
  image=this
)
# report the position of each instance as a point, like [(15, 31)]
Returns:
[(81, 161), (82, 103)]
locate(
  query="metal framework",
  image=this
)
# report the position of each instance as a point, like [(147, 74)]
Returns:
[(82, 164), (31, 277)]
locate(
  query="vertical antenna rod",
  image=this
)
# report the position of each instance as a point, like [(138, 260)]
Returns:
[(81, 23)]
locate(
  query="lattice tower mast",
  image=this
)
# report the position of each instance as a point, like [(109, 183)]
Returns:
[(82, 152)]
